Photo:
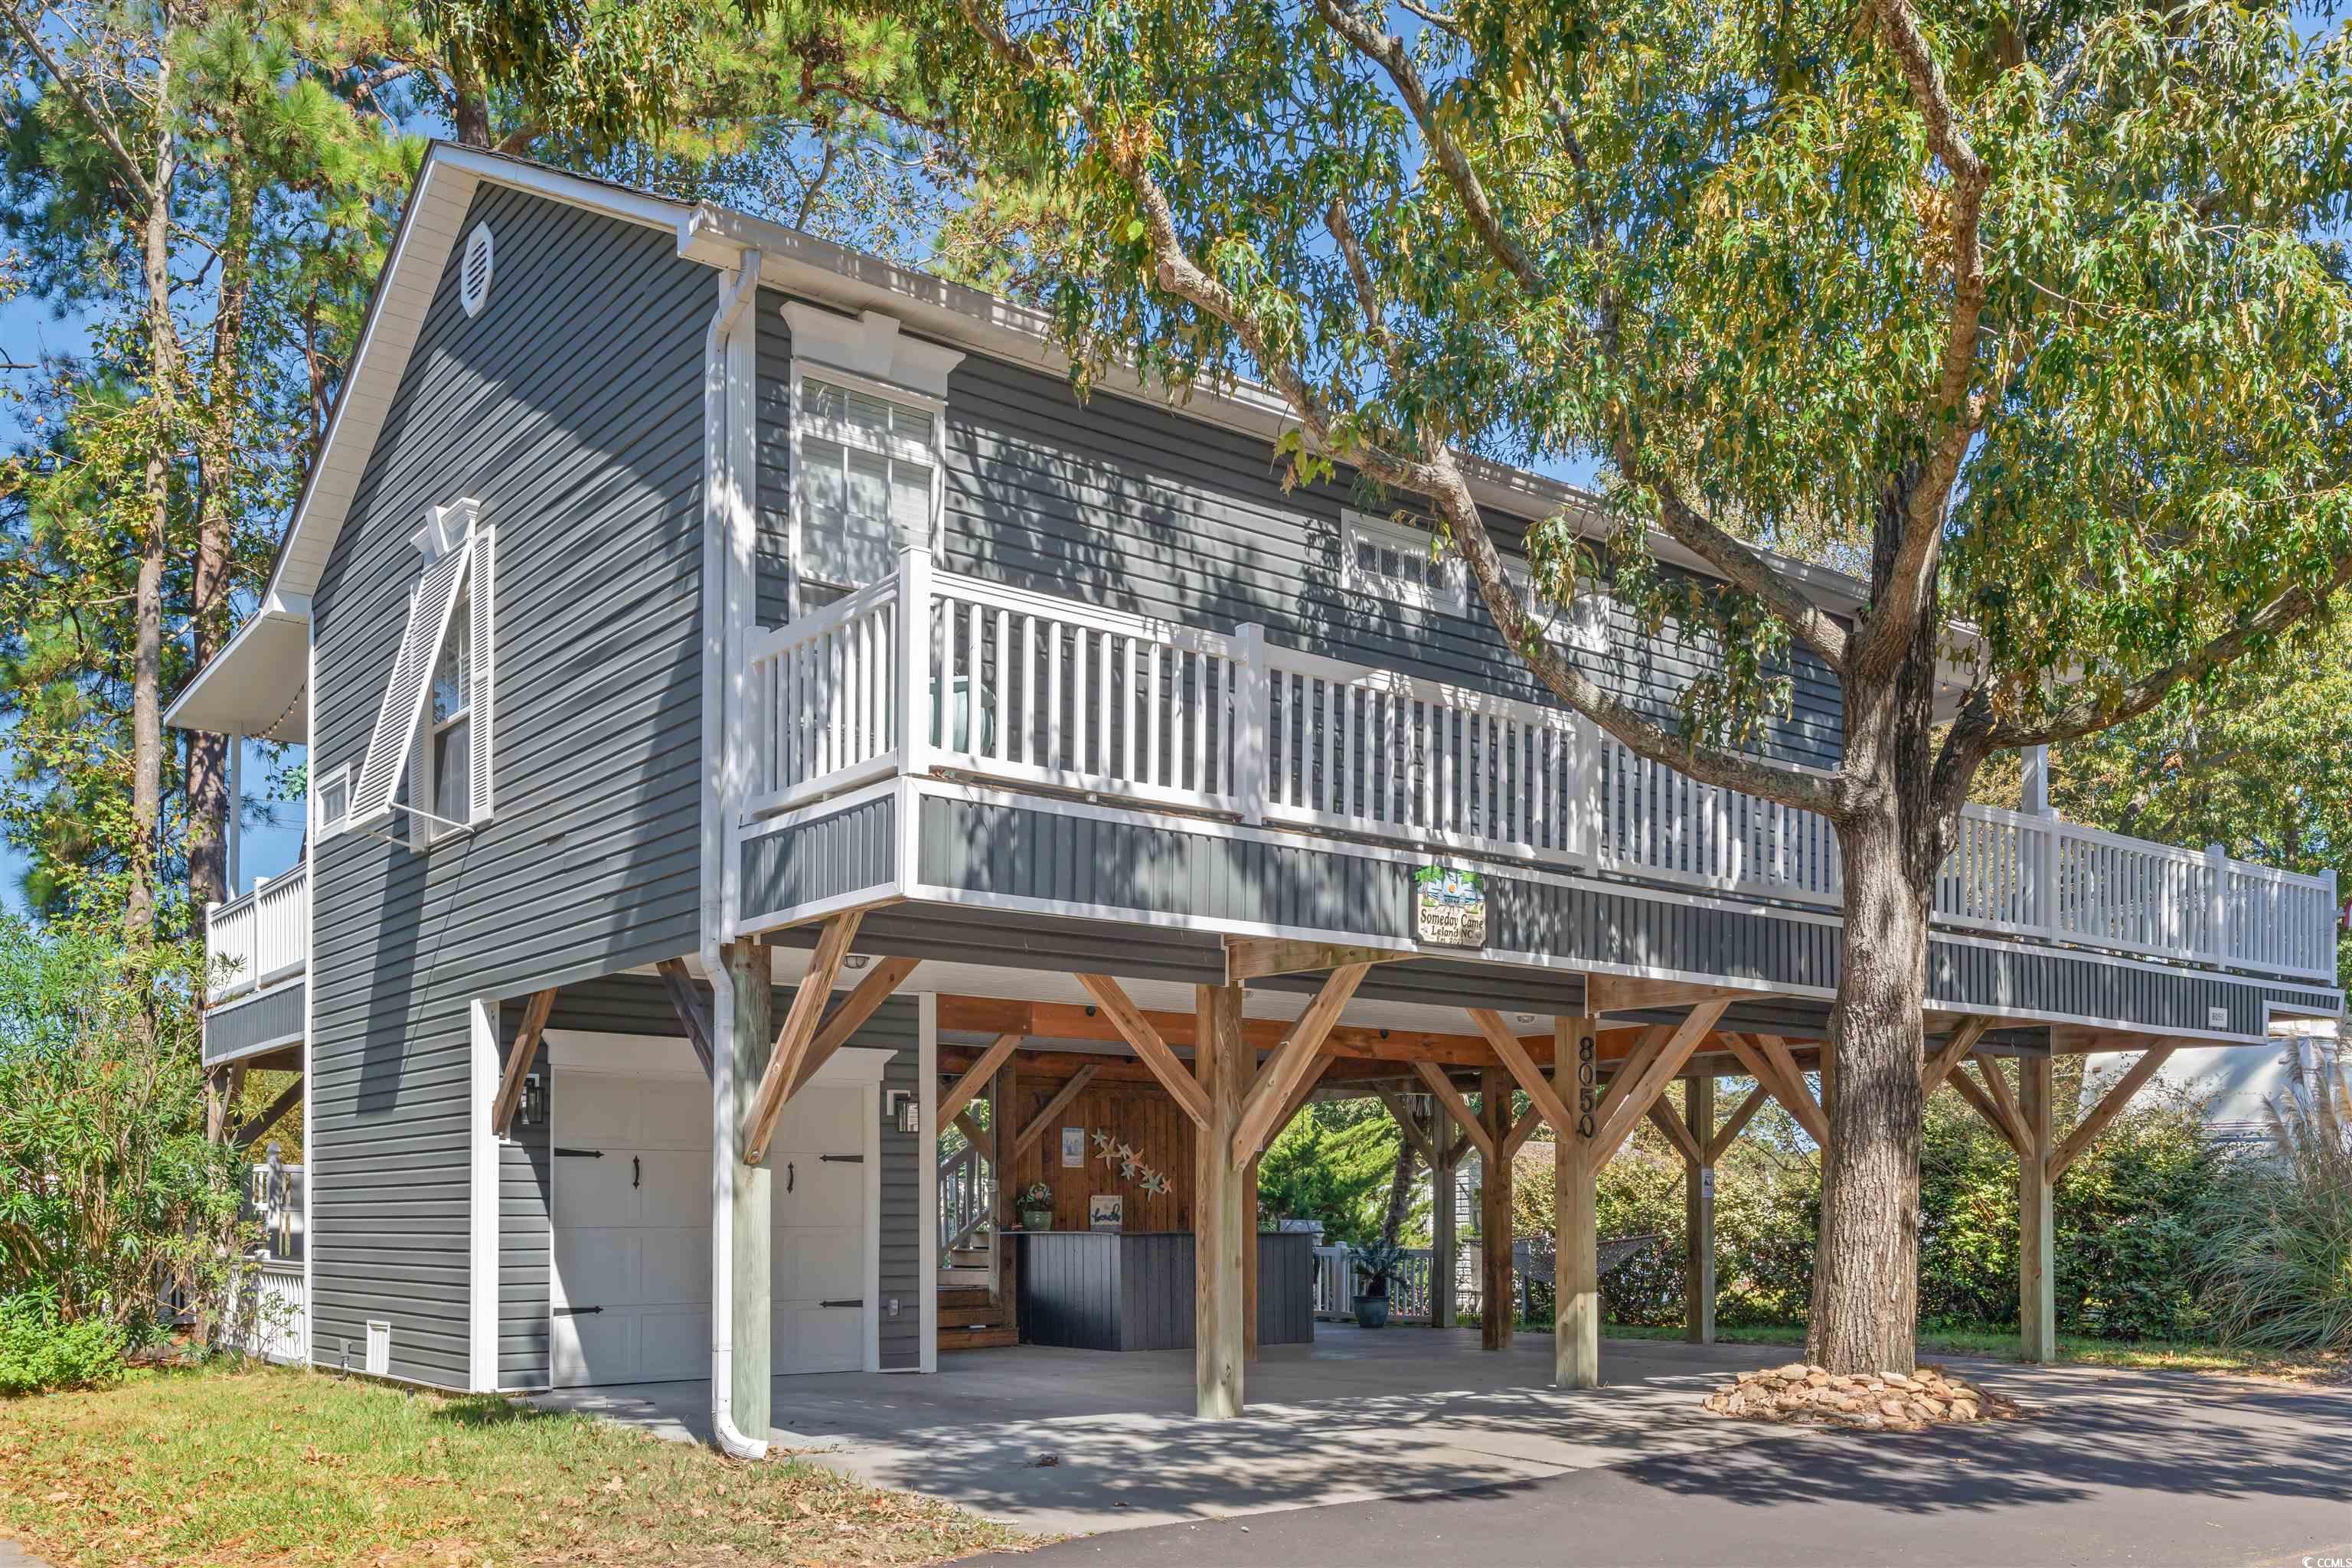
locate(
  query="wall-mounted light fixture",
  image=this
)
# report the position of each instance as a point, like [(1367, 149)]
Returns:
[(898, 1109), (533, 1112)]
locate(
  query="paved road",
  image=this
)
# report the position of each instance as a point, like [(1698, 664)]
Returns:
[(2115, 1468)]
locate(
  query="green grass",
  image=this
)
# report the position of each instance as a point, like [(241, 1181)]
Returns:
[(2002, 1345), (250, 1466)]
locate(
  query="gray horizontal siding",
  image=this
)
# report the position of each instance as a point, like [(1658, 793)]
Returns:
[(825, 858), (571, 407), (1121, 868), (272, 1019), (1139, 507)]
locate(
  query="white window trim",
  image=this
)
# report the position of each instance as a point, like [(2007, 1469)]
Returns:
[(806, 368), (447, 529), (1454, 599), (324, 827)]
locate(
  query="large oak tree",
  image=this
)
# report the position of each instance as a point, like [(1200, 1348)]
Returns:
[(2023, 312)]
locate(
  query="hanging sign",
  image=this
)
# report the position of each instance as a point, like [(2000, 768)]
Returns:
[(1449, 907), (1074, 1146)]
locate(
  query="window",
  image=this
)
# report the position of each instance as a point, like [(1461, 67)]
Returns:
[(1395, 562), (331, 803), (1578, 627), (449, 756), (432, 731), (474, 276), (867, 467)]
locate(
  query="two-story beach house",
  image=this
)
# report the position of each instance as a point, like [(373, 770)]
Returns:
[(760, 722)]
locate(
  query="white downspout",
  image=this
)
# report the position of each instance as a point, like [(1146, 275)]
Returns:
[(723, 513)]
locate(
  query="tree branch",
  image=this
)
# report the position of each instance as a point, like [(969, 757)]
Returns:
[(1439, 477), (1388, 51), (132, 171), (2088, 716), (1909, 590)]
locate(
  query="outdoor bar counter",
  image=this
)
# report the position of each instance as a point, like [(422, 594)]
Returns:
[(1132, 1290)]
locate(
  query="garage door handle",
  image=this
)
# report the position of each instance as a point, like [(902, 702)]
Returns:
[(636, 1171), (852, 1302), (788, 1176), (577, 1311)]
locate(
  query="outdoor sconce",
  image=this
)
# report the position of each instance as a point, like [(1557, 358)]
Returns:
[(899, 1109), (533, 1112)]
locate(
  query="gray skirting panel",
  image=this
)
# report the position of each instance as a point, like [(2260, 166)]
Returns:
[(1085, 864), (258, 1023), (820, 858)]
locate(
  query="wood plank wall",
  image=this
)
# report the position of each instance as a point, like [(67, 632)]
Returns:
[(1133, 1113)]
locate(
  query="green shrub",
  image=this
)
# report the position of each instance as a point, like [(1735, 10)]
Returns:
[(41, 1354), (111, 1198), (2276, 1256)]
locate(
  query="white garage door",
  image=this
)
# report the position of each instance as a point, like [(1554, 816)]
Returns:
[(632, 1229), (818, 1190), (632, 1222)]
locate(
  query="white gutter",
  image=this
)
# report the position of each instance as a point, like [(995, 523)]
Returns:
[(718, 514)]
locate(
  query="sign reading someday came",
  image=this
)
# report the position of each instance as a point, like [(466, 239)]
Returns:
[(1449, 907)]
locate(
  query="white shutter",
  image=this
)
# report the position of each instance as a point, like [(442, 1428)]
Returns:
[(483, 577), (404, 696)]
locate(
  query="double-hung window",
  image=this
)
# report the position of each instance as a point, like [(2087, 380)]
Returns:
[(433, 728), (867, 475)]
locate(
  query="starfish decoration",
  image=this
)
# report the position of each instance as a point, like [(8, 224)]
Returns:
[(1126, 1154), (1102, 1142), (1154, 1183), (1127, 1168)]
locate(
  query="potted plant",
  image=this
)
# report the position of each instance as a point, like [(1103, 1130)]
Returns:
[(1033, 1206), (1375, 1262)]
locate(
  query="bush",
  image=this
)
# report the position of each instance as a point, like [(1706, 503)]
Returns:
[(40, 1353), (2276, 1255), (112, 1202)]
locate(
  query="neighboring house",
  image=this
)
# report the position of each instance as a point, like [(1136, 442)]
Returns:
[(595, 616)]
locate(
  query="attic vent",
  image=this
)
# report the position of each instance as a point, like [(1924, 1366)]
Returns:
[(474, 284)]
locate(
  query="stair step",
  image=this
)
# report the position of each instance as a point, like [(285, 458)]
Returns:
[(967, 1299), (978, 1339)]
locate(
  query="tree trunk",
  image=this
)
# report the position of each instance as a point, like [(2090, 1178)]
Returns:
[(208, 771), (1865, 1308), (1866, 1270), (1400, 1192), (147, 666)]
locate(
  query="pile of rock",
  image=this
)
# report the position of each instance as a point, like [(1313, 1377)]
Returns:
[(1873, 1402)]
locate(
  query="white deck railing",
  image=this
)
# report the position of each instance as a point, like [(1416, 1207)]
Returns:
[(258, 938), (1005, 684)]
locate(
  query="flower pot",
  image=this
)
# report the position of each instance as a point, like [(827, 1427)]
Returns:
[(1371, 1311), (1036, 1219)]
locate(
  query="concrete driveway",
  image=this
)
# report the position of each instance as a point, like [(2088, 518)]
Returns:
[(1410, 1442)]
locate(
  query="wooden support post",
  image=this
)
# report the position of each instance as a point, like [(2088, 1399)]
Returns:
[(680, 984), (975, 1078), (1004, 1128), (798, 1034), (751, 1230), (1496, 1293), (267, 1116), (1576, 1264), (1137, 1030), (519, 1055), (1740, 1116), (1444, 1303), (1253, 1077), (1052, 1108), (1218, 1207), (1698, 1214), (2111, 1102), (2037, 1297), (1449, 1104)]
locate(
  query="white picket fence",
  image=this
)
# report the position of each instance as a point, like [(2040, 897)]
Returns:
[(1003, 684)]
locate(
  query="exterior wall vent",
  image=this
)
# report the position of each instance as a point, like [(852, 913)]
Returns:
[(379, 1348), (474, 278)]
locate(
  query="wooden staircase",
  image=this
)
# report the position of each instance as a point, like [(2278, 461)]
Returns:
[(972, 1320)]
